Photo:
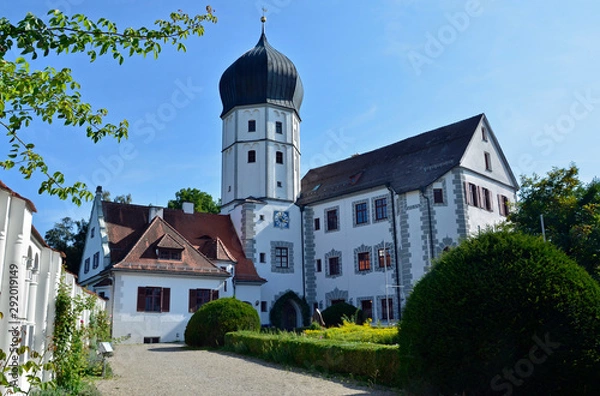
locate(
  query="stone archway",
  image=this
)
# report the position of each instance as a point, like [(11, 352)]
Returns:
[(289, 312)]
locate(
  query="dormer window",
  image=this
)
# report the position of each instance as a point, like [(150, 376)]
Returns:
[(169, 254), (251, 125)]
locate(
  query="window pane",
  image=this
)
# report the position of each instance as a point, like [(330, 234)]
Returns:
[(334, 266), (281, 257), (364, 261), (438, 196), (380, 209), (361, 213), (332, 220)]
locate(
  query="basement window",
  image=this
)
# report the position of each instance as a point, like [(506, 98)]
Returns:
[(151, 340)]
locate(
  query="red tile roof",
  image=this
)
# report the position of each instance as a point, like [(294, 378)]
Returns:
[(143, 255), (127, 223)]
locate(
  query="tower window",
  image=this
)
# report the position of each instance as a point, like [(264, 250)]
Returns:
[(251, 156), (488, 161), (281, 257), (251, 125), (278, 127), (279, 184), (279, 157)]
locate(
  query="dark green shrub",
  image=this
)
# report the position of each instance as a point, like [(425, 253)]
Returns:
[(208, 325), (502, 314), (334, 315)]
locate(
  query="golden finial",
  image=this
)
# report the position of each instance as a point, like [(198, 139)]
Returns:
[(263, 19)]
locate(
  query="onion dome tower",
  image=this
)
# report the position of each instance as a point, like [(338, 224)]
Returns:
[(261, 94)]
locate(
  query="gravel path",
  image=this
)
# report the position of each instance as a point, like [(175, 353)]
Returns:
[(171, 369)]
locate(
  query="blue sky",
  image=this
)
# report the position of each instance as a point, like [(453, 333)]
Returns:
[(373, 73)]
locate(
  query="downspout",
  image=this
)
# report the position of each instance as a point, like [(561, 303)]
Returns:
[(302, 251), (395, 239), (431, 254)]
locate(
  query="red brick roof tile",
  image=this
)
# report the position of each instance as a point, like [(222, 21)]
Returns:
[(126, 224), (144, 254)]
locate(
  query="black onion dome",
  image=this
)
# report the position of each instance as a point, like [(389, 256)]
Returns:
[(261, 75)]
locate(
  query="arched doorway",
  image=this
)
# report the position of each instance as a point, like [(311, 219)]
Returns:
[(289, 318), (289, 312)]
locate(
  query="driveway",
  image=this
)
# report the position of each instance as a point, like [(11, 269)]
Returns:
[(172, 369)]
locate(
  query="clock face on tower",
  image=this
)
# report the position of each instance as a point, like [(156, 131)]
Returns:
[(281, 219)]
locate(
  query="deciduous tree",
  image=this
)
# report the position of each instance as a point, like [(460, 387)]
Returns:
[(53, 95), (68, 236), (571, 213), (203, 202)]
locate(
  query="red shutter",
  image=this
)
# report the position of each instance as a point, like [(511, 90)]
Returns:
[(467, 193), (141, 299), (192, 302), (165, 295), (500, 206), (214, 295), (491, 201), (479, 202)]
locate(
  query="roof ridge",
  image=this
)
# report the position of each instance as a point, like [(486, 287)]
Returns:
[(399, 143)]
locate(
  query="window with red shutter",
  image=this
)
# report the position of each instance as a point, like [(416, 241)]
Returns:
[(165, 299)]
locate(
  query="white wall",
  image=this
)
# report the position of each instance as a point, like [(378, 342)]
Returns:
[(241, 179), (169, 326), (359, 285), (265, 233), (30, 275)]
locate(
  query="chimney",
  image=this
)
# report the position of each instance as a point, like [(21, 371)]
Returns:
[(188, 207), (155, 211)]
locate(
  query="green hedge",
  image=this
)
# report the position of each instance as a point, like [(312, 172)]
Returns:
[(376, 363), (502, 313)]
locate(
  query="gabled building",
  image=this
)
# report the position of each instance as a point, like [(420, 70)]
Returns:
[(362, 230), (158, 266)]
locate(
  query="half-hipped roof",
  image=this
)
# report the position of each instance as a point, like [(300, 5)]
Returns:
[(126, 225)]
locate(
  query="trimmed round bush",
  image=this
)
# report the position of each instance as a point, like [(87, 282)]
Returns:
[(502, 314), (208, 325), (333, 315)]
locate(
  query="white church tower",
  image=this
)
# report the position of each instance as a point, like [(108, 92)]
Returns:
[(261, 94)]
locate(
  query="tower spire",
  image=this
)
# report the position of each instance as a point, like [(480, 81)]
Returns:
[(263, 19)]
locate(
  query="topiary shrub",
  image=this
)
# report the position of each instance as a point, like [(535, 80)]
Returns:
[(502, 314), (333, 315), (208, 325)]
